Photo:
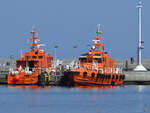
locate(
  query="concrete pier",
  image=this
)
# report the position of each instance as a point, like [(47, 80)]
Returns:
[(141, 78), (134, 77)]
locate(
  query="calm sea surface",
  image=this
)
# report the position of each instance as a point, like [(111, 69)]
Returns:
[(27, 99)]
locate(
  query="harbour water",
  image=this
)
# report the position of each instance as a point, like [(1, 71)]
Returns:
[(32, 99)]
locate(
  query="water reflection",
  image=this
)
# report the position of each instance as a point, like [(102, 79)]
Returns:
[(92, 87), (142, 104), (140, 88), (29, 87), (36, 87)]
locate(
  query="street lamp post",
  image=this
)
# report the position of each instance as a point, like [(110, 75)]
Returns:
[(74, 50), (55, 47)]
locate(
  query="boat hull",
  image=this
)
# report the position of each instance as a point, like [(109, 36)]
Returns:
[(72, 78), (22, 79)]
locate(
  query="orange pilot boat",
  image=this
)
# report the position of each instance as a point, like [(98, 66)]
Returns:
[(95, 68), (33, 66)]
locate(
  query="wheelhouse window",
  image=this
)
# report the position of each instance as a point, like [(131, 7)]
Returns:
[(97, 54), (28, 57), (34, 57), (40, 57)]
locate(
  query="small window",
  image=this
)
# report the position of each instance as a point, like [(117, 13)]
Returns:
[(84, 74), (28, 57), (97, 54), (8, 63), (34, 57), (93, 75), (40, 57)]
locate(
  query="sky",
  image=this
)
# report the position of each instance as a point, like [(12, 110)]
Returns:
[(68, 23)]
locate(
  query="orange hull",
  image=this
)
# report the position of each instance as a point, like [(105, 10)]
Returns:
[(22, 79), (73, 79)]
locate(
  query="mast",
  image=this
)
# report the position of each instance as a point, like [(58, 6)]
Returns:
[(98, 32), (140, 67), (34, 39), (96, 43)]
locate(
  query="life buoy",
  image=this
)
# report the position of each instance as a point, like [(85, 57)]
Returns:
[(101, 71), (87, 67), (16, 77)]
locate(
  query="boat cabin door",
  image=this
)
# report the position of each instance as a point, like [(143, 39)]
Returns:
[(31, 65)]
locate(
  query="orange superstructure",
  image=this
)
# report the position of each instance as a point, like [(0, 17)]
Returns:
[(32, 66), (95, 68)]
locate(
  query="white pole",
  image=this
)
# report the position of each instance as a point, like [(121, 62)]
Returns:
[(55, 58), (140, 67), (55, 63), (140, 32)]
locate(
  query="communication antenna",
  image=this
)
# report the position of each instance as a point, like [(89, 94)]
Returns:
[(34, 28)]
